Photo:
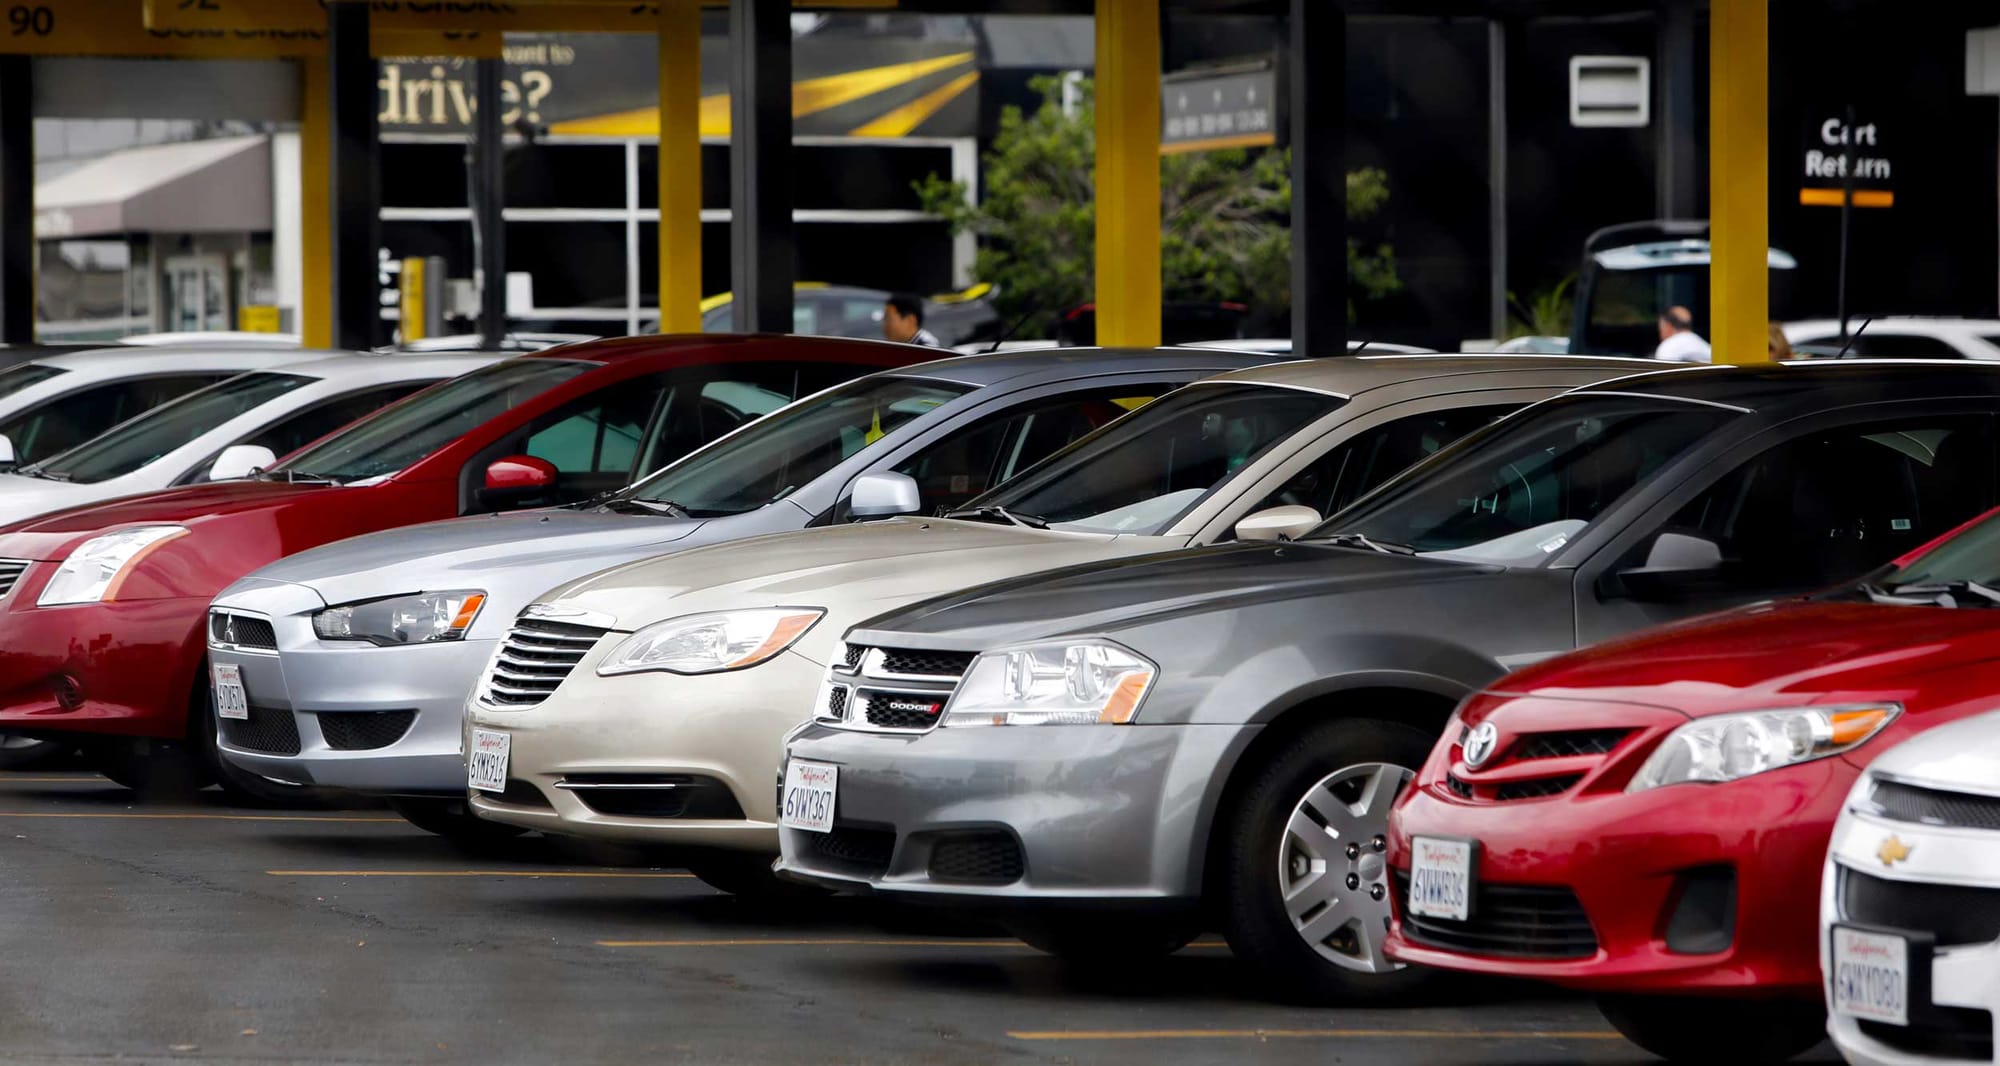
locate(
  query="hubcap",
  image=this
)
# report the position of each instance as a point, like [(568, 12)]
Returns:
[(1332, 871)]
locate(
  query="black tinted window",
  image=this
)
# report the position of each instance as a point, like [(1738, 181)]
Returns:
[(67, 421), (1003, 444), (1903, 346), (1349, 471)]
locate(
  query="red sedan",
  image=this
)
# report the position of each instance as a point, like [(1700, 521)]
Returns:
[(1646, 820), (102, 607)]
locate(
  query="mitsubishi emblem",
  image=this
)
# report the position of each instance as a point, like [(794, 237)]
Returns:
[(1479, 746), (229, 629)]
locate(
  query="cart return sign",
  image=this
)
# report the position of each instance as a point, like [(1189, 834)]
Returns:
[(1835, 146)]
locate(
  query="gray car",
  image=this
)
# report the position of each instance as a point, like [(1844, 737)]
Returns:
[(1119, 753), (950, 429)]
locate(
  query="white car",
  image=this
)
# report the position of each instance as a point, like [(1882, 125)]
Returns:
[(1910, 902), (213, 338), (53, 404), (1903, 337), (227, 430)]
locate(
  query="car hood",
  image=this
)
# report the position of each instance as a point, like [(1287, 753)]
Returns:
[(853, 571), (1771, 655), (51, 536), (24, 497), (1961, 756), (1103, 597)]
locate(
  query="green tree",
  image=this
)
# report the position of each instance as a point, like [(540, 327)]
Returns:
[(1225, 219)]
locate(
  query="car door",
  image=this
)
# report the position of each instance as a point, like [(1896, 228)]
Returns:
[(1806, 506)]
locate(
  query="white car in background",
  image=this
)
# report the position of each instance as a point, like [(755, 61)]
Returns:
[(53, 404), (212, 338), (1910, 902), (227, 430), (1903, 337)]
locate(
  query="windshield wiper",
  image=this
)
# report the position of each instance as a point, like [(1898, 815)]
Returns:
[(297, 477), (639, 505), (36, 471), (1935, 593), (1361, 540), (993, 510)]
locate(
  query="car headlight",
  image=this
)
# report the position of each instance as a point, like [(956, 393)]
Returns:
[(98, 566), (421, 618), (710, 643), (1051, 684), (1731, 746)]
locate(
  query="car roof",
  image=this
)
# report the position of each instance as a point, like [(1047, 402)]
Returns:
[(1351, 375), (142, 359), (1061, 364), (710, 347), (1917, 322), (401, 365), (1811, 384)]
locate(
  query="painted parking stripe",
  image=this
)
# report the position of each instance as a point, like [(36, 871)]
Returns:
[(472, 873), (840, 942), (163, 817), (1312, 1034)]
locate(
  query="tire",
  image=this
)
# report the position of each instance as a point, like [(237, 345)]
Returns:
[(1686, 1029), (747, 875), (1280, 841), (155, 769), (28, 753), (452, 819), (1104, 940)]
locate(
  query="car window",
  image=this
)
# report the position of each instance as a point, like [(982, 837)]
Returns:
[(141, 440), (66, 421), (597, 435), (1369, 458), (1830, 505), (1142, 474), (20, 377), (992, 450), (713, 401), (1875, 345), (295, 431)]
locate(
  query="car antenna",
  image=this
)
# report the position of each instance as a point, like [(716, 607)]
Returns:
[(1855, 336), (1009, 333), (1356, 350)]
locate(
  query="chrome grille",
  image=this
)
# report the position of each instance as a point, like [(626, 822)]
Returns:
[(534, 659), (232, 630), (1929, 806), (10, 573), (891, 690)]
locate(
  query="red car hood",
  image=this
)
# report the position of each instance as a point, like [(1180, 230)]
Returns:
[(1770, 656), (52, 536)]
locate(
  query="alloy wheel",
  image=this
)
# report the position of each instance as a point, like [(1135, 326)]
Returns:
[(1333, 870)]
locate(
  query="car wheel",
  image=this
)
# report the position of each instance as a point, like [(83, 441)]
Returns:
[(1304, 878), (748, 875), (155, 769), (240, 786), (1684, 1029), (28, 753), (1100, 940), (452, 819)]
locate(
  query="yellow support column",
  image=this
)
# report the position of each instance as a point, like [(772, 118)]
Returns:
[(315, 206), (1739, 87), (1128, 172), (680, 166)]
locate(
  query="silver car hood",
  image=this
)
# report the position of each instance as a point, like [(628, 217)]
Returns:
[(1961, 756), (853, 571)]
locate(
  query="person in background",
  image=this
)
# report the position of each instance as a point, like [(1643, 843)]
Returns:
[(1679, 343), (903, 321), (1781, 348)]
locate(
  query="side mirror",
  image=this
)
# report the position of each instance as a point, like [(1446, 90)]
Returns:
[(1277, 523), (1678, 567), (6, 450), (240, 460), (514, 480), (884, 495)]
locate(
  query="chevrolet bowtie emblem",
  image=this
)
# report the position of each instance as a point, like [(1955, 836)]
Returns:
[(1892, 850)]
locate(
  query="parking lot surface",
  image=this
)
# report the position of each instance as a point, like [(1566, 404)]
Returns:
[(198, 932)]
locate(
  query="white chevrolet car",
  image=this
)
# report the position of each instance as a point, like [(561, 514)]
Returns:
[(1910, 902), (224, 431)]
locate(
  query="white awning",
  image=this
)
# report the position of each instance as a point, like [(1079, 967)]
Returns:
[(213, 186)]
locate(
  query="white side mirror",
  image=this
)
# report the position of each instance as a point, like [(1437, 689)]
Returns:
[(240, 460), (1679, 551), (1272, 523), (884, 494), (6, 450)]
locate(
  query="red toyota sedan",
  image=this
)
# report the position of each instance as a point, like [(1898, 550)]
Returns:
[(1646, 820), (102, 607)]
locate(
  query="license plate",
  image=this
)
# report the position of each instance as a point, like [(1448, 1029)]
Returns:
[(231, 701), (1871, 975), (808, 799), (1441, 878), (486, 763)]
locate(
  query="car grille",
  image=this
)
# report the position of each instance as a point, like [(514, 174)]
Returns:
[(865, 851), (1571, 742), (691, 796), (10, 573), (534, 659), (990, 858), (364, 730), (1956, 1033), (241, 630), (893, 690), (268, 730), (1511, 921), (1928, 806), (1953, 914), (1531, 748)]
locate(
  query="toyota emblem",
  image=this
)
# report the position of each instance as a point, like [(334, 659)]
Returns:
[(1479, 746)]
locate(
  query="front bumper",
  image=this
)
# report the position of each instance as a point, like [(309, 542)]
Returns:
[(1632, 861), (344, 714), (122, 669), (600, 755), (1062, 815)]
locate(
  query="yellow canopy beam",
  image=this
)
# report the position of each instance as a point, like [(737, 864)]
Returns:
[(680, 166), (1128, 172), (1739, 179)]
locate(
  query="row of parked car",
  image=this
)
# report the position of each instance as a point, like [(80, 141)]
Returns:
[(1116, 645)]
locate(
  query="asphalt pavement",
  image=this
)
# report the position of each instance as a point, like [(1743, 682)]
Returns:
[(200, 933)]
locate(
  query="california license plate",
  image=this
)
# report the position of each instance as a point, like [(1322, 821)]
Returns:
[(808, 797), (486, 763), (1441, 878), (231, 700), (1871, 975)]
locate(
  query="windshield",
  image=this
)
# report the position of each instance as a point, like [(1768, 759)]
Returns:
[(163, 429), (1147, 469), (789, 449), (1973, 555), (408, 431), (20, 377), (1520, 490)]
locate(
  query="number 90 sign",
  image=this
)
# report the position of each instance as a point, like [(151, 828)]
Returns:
[(31, 21)]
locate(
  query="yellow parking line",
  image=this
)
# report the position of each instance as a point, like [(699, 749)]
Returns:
[(1311, 1034), (467, 873), (840, 942), (191, 817)]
